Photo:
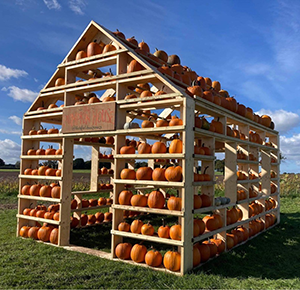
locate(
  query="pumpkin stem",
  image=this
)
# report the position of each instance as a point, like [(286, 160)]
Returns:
[(205, 169), (163, 222)]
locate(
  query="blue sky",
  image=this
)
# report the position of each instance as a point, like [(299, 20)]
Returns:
[(251, 47)]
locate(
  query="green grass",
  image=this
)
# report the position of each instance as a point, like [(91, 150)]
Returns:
[(10, 170), (269, 261)]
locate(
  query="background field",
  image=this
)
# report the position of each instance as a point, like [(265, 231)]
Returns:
[(269, 261)]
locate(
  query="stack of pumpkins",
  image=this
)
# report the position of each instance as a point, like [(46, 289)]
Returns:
[(195, 85)]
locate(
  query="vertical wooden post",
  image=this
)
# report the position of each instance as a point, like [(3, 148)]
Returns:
[(66, 189), (230, 171), (187, 192), (94, 168)]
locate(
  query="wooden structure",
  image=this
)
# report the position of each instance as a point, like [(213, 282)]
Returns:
[(86, 122)]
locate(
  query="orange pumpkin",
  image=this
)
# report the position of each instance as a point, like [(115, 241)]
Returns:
[(175, 146), (174, 173), (172, 261), (136, 226), (144, 173), (174, 203), (125, 197), (175, 232), (153, 258), (156, 199), (138, 253), (127, 173), (158, 147), (147, 229), (123, 250)]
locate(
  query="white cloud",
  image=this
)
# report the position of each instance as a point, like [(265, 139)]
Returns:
[(10, 151), (18, 94), (284, 121), (284, 37), (3, 131), (52, 4), (256, 68), (76, 6), (16, 119), (6, 73), (289, 146)]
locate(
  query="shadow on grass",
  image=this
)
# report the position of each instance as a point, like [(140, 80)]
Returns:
[(272, 255), (99, 237)]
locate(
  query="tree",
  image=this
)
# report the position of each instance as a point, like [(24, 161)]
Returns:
[(87, 164), (17, 165), (2, 163), (78, 163), (219, 165)]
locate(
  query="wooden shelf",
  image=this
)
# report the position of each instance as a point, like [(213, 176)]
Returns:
[(204, 183), (39, 198), (149, 182), (42, 157), (44, 113), (91, 58), (231, 116), (246, 161), (137, 103), (92, 192), (40, 177), (212, 208), (204, 157), (148, 210), (153, 238), (248, 181), (106, 160), (41, 220), (90, 208), (45, 137), (93, 144), (148, 131), (225, 138), (150, 156)]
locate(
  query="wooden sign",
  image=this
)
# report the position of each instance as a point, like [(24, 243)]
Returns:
[(89, 118)]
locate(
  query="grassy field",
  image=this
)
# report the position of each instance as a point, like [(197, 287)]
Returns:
[(269, 261)]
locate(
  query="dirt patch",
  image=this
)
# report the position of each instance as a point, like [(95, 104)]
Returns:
[(8, 206)]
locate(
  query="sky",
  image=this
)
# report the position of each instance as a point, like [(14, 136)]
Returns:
[(251, 47)]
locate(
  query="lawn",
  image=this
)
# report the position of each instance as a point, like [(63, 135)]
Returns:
[(268, 261)]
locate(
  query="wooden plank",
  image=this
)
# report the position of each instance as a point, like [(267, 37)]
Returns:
[(89, 208), (146, 131), (157, 102), (149, 182), (231, 116), (153, 238), (44, 113), (91, 191), (204, 157), (66, 189), (41, 177), (89, 118), (41, 157), (107, 59), (41, 220), (187, 192), (230, 176), (39, 198), (150, 156), (149, 210), (209, 209), (265, 172), (94, 168)]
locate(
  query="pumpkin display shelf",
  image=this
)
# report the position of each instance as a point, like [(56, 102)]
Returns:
[(112, 94)]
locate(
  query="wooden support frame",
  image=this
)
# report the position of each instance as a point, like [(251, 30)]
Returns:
[(176, 100)]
